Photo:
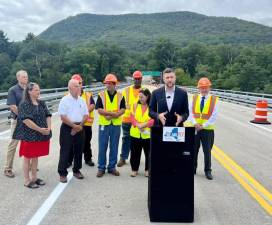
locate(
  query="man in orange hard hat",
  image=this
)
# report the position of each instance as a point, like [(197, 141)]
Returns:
[(131, 95), (203, 112), (110, 106)]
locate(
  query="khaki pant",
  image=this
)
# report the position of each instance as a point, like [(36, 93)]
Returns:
[(11, 147)]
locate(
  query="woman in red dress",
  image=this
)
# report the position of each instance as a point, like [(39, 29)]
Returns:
[(34, 130)]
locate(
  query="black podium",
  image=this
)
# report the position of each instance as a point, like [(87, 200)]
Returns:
[(171, 178)]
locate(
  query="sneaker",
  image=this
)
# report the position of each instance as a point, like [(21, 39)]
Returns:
[(9, 173), (114, 172), (121, 163), (100, 173)]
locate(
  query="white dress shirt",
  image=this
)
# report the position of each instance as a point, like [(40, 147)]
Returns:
[(74, 108), (211, 120), (169, 95)]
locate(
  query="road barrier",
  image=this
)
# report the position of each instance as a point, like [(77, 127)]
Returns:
[(51, 96), (239, 97), (261, 112)]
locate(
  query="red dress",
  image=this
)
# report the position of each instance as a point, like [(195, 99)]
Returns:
[(34, 149)]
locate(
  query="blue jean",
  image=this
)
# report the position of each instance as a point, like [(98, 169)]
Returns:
[(125, 141), (106, 134)]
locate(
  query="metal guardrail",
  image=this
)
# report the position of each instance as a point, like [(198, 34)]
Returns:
[(239, 97), (51, 96)]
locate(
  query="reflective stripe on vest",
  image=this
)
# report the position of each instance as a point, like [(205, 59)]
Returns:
[(141, 118), (130, 99), (202, 117), (87, 96), (113, 106)]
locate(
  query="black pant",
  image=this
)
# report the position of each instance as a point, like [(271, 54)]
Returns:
[(206, 138), (87, 151), (87, 143), (68, 144), (136, 145)]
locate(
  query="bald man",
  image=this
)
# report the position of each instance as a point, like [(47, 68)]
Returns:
[(73, 112)]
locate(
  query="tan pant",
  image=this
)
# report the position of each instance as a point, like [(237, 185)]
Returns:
[(11, 147)]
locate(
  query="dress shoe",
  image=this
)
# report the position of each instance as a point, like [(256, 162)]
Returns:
[(114, 172), (90, 163), (121, 163), (100, 173), (78, 175), (209, 175), (63, 179)]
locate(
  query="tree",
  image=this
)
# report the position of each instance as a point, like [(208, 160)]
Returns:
[(183, 78), (164, 54)]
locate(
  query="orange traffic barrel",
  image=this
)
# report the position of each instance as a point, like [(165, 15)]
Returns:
[(261, 112)]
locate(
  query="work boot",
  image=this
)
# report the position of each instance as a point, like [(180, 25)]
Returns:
[(114, 172), (100, 173), (121, 162)]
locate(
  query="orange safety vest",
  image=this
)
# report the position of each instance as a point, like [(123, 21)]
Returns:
[(87, 96), (202, 117), (113, 106), (130, 100)]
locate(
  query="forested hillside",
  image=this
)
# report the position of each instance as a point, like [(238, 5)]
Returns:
[(138, 32), (234, 54)]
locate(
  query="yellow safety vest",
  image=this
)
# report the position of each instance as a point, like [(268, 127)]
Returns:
[(203, 117), (87, 96), (130, 99), (141, 118), (113, 106)]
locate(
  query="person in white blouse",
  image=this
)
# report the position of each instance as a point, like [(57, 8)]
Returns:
[(73, 112), (203, 111)]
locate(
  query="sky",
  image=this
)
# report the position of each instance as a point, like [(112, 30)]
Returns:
[(19, 17)]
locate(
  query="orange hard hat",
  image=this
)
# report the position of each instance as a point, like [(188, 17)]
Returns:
[(137, 74), (77, 77), (204, 82), (110, 78)]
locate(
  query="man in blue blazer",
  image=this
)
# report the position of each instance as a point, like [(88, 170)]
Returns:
[(169, 104)]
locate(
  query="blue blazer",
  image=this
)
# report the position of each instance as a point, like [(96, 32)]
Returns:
[(158, 105)]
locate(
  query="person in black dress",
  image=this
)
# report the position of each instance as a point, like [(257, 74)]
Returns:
[(34, 130)]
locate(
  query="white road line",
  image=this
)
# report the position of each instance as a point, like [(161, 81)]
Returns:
[(49, 202), (4, 132), (261, 126)]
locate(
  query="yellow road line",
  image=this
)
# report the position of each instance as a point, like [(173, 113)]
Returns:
[(245, 174), (247, 187)]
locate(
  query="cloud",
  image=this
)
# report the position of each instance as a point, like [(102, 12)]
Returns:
[(19, 17)]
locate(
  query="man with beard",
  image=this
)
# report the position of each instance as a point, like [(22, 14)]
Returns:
[(169, 104)]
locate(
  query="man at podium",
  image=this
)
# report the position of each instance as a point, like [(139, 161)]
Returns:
[(169, 104)]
